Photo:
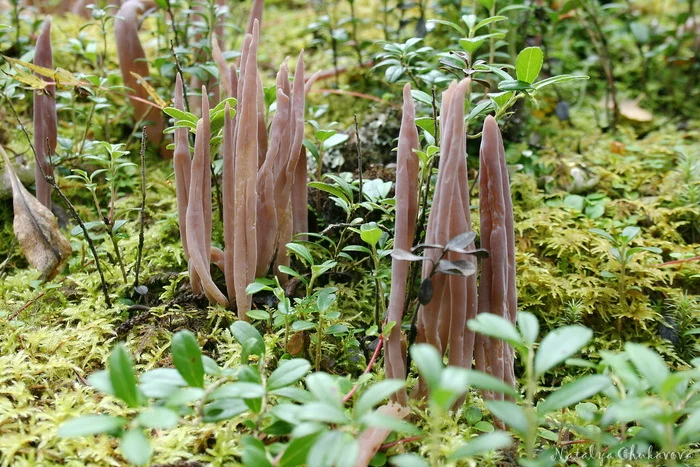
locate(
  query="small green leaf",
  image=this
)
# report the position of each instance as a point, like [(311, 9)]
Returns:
[(301, 325), (324, 412), (602, 233), (630, 232), (297, 450), (427, 124), (87, 425), (255, 287), (490, 19), (484, 426), (689, 431), (428, 362), (188, 358), (528, 64), (238, 390), (302, 252), (481, 380), (482, 445), (335, 140), (258, 314), (574, 392), (500, 98), (135, 447), (376, 394), (101, 381), (244, 333), (334, 190), (408, 460), (649, 364), (559, 345), (223, 409), (514, 85), (158, 417), (325, 300), (557, 80), (471, 44), (288, 373), (422, 97), (370, 233), (495, 326), (529, 327), (510, 413), (254, 453), (121, 374)]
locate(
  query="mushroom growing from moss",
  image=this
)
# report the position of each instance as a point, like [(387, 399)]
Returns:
[(442, 322), (497, 292), (132, 61), (405, 228), (45, 129)]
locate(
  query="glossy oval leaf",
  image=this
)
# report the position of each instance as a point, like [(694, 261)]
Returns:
[(122, 377), (559, 345), (288, 373), (91, 425), (482, 444), (187, 358), (495, 326), (574, 392), (510, 413), (528, 64), (135, 447), (376, 394)]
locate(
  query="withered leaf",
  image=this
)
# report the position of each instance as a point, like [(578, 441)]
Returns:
[(425, 291), (36, 229), (458, 267), (298, 343)]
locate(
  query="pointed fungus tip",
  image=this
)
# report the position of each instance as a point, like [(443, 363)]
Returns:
[(490, 124)]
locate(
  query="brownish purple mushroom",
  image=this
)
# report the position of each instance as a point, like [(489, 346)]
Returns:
[(405, 229), (45, 126), (497, 292)]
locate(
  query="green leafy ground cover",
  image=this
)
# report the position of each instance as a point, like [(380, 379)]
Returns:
[(576, 190)]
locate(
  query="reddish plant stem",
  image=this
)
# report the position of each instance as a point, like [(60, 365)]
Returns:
[(340, 92), (410, 439), (30, 302), (377, 350), (678, 261)]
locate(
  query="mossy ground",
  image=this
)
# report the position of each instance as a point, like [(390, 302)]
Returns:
[(55, 334)]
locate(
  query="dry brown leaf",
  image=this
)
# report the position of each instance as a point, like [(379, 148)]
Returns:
[(36, 229), (632, 111)]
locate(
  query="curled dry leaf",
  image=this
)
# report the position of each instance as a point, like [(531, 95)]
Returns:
[(632, 111), (36, 229)]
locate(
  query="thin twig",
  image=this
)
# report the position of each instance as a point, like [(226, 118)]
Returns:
[(142, 214), (359, 154), (32, 301), (178, 67), (678, 261), (410, 439), (51, 181), (4, 264)]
